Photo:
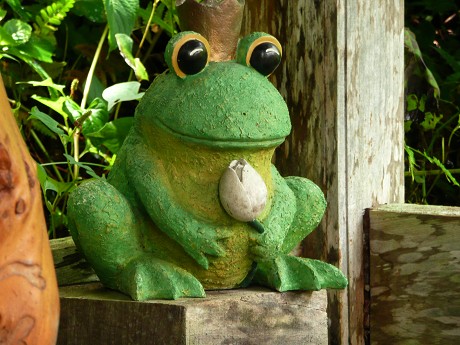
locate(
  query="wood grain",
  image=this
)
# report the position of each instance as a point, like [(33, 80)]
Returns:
[(29, 305), (342, 77), (71, 267), (244, 316), (415, 275)]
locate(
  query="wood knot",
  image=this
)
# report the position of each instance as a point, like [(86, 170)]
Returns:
[(20, 206), (6, 175), (30, 175)]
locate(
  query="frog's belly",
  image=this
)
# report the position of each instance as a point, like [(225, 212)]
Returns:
[(224, 272), (230, 270)]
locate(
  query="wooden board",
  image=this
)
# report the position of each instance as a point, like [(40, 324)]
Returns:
[(415, 275), (93, 315), (342, 77), (71, 267)]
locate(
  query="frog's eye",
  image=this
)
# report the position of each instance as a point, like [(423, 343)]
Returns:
[(187, 53), (261, 52)]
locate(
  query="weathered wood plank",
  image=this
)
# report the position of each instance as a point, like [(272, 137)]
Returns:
[(93, 315), (71, 267), (415, 274), (342, 77)]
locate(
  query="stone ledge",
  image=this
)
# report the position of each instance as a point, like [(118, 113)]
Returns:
[(91, 314)]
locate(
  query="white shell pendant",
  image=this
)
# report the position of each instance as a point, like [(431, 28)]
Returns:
[(242, 191)]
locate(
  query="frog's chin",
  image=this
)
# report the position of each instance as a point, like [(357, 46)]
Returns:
[(222, 143)]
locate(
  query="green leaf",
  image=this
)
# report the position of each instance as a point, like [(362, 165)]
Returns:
[(433, 160), (19, 31), (412, 48), (56, 105), (93, 10), (113, 134), (88, 169), (446, 171), (121, 16), (121, 92), (47, 120), (48, 183), (52, 14), (18, 8), (412, 102), (411, 159), (48, 82), (38, 48), (407, 125), (91, 119), (99, 116), (430, 122), (6, 39), (125, 45), (165, 16)]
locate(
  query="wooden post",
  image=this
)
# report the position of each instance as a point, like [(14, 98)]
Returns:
[(342, 77), (415, 274)]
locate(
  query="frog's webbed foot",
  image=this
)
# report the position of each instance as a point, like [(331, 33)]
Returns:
[(285, 273), (147, 277)]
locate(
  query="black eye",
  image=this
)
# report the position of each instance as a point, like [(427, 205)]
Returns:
[(265, 58), (192, 57)]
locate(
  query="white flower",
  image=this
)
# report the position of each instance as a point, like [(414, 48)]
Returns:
[(242, 191)]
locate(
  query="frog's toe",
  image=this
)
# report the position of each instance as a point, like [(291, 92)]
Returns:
[(286, 273), (151, 278)]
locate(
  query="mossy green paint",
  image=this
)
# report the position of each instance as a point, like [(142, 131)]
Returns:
[(156, 228)]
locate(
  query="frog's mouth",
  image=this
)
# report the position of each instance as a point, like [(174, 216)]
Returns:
[(225, 143)]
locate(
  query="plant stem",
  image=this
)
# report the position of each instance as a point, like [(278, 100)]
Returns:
[(42, 147), (144, 36), (89, 78), (154, 7), (431, 172)]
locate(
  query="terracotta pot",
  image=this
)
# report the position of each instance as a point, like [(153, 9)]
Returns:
[(29, 300)]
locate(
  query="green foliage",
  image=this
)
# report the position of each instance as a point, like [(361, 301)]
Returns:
[(72, 92), (432, 115), (121, 16), (51, 16)]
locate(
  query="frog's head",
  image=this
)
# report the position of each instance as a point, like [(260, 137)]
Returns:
[(219, 104)]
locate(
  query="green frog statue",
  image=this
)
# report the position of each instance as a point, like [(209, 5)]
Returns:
[(193, 202)]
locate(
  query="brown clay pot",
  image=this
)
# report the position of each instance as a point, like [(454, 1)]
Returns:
[(29, 301)]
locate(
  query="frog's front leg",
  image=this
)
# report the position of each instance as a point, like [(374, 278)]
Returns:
[(106, 230), (197, 237), (280, 270)]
